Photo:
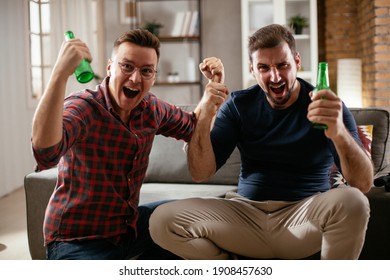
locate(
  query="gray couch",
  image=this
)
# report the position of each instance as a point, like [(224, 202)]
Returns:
[(167, 178)]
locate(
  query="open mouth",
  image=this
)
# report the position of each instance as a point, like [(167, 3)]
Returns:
[(278, 89), (130, 93)]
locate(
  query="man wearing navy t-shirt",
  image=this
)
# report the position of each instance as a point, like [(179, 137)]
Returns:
[(284, 207)]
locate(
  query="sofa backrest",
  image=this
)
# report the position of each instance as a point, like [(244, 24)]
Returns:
[(379, 118), (168, 161)]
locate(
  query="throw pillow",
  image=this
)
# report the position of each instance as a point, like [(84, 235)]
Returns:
[(365, 135)]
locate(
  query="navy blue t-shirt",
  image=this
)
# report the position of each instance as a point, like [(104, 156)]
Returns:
[(282, 156)]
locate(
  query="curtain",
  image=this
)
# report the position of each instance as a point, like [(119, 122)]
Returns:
[(79, 17)]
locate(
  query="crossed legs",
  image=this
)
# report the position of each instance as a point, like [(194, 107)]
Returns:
[(333, 222)]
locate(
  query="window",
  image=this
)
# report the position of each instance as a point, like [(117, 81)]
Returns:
[(48, 20), (39, 32)]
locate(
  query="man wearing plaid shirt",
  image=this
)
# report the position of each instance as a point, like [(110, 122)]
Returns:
[(100, 140)]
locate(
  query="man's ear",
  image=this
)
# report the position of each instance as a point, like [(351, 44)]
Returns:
[(108, 69), (298, 60), (251, 69)]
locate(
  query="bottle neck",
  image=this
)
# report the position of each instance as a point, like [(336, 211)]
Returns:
[(323, 76)]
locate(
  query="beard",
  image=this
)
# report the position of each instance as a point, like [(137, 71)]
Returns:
[(279, 103)]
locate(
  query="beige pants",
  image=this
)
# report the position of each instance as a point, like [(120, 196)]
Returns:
[(333, 222)]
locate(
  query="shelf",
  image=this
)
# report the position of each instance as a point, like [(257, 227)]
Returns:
[(183, 83), (181, 45), (302, 36), (292, 1), (179, 39)]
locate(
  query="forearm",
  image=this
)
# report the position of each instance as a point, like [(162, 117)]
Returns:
[(200, 154), (47, 120), (357, 167)]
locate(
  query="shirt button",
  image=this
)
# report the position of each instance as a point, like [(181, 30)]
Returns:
[(135, 158), (128, 179)]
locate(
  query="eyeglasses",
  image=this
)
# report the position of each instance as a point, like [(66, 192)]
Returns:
[(147, 72)]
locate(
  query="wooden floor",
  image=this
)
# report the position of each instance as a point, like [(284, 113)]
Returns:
[(13, 227)]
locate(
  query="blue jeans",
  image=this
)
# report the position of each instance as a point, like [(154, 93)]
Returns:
[(103, 249)]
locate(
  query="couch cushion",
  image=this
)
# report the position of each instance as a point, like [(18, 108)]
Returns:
[(365, 135), (373, 129), (168, 164), (379, 118)]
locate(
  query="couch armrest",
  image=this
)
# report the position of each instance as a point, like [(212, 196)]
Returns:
[(380, 119), (38, 189)]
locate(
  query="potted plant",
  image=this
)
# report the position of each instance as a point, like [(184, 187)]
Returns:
[(153, 27), (297, 23)]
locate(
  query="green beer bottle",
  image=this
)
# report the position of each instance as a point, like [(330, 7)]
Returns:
[(322, 83), (84, 71)]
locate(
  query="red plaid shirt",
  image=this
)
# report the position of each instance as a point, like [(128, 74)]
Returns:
[(102, 163)]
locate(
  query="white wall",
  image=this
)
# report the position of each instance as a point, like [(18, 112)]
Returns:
[(15, 117), (221, 35)]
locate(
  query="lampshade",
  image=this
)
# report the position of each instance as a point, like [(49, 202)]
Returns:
[(349, 81)]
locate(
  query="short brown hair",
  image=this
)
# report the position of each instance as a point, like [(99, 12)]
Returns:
[(140, 37), (271, 36)]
